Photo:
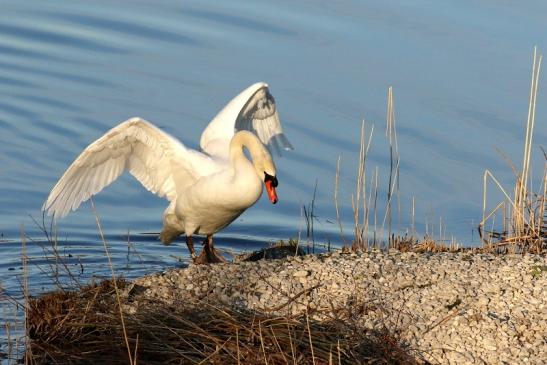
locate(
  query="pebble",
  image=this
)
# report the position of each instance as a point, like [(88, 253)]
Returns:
[(456, 308)]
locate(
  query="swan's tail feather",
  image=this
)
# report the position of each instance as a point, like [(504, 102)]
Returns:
[(172, 227), (168, 235)]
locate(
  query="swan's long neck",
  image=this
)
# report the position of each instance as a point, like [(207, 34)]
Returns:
[(259, 154), (263, 165)]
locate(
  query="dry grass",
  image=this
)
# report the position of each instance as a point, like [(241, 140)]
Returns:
[(523, 226), (84, 327), (61, 317), (427, 244), (368, 227)]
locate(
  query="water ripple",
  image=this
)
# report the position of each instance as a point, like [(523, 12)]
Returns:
[(16, 111), (58, 130), (7, 126), (18, 51), (57, 74), (49, 102), (43, 36), (326, 138), (14, 82), (124, 27), (239, 21)]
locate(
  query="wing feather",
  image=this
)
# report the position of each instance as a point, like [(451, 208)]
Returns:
[(136, 146), (254, 109)]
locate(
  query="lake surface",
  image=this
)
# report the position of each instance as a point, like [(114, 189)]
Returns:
[(69, 71)]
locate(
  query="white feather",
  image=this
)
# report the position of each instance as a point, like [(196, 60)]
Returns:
[(135, 145), (254, 109)]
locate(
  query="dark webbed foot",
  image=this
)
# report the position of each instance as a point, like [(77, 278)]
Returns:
[(209, 255)]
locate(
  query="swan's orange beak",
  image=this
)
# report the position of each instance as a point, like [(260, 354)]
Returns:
[(270, 188)]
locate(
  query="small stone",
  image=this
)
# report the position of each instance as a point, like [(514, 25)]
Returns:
[(300, 274)]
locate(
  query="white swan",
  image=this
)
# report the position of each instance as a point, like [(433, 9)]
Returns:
[(206, 190)]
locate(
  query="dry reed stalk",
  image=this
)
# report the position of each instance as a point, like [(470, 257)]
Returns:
[(335, 198), (413, 218), (292, 345), (309, 215), (114, 281), (375, 240), (53, 252), (7, 327), (300, 229), (237, 347), (26, 294), (542, 215), (393, 155), (310, 338), (522, 187), (339, 354), (359, 199), (367, 214), (366, 203), (356, 204), (262, 342), (523, 223), (135, 354)]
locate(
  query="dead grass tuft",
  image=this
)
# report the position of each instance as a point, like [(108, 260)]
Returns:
[(65, 316), (408, 243), (523, 224), (84, 327)]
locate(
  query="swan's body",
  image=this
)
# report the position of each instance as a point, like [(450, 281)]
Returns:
[(215, 200), (206, 189)]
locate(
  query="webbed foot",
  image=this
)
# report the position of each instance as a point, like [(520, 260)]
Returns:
[(209, 255)]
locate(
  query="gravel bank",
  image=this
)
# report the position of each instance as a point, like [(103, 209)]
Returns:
[(451, 308)]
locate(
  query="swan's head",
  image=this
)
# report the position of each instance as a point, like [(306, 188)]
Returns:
[(271, 183), (265, 168)]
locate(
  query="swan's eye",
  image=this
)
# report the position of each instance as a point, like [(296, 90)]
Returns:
[(273, 179)]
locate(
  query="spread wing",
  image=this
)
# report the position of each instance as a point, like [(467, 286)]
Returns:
[(156, 159), (254, 109)]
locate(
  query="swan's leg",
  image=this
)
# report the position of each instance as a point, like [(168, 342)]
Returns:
[(209, 255), (190, 244)]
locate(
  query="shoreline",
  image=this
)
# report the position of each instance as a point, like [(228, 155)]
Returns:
[(454, 308)]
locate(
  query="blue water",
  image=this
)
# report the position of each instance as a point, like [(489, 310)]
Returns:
[(69, 71)]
